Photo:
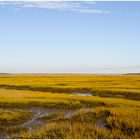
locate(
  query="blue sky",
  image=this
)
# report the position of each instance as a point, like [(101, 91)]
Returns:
[(72, 37)]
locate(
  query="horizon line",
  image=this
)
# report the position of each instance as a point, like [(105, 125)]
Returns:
[(75, 73)]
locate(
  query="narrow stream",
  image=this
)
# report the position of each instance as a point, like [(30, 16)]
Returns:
[(42, 111), (36, 112), (81, 94), (35, 122)]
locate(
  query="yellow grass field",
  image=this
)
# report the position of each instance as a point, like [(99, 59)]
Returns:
[(69, 106)]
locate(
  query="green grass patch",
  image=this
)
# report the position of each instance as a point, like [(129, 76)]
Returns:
[(8, 117), (52, 116)]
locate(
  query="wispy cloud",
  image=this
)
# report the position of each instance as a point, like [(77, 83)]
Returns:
[(52, 5), (82, 7), (92, 11)]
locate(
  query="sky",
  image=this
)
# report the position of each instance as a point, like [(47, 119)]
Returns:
[(69, 37)]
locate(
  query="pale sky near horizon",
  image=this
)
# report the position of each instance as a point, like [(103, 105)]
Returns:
[(72, 37)]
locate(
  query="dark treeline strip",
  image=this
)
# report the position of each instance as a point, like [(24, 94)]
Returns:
[(46, 89), (94, 92)]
